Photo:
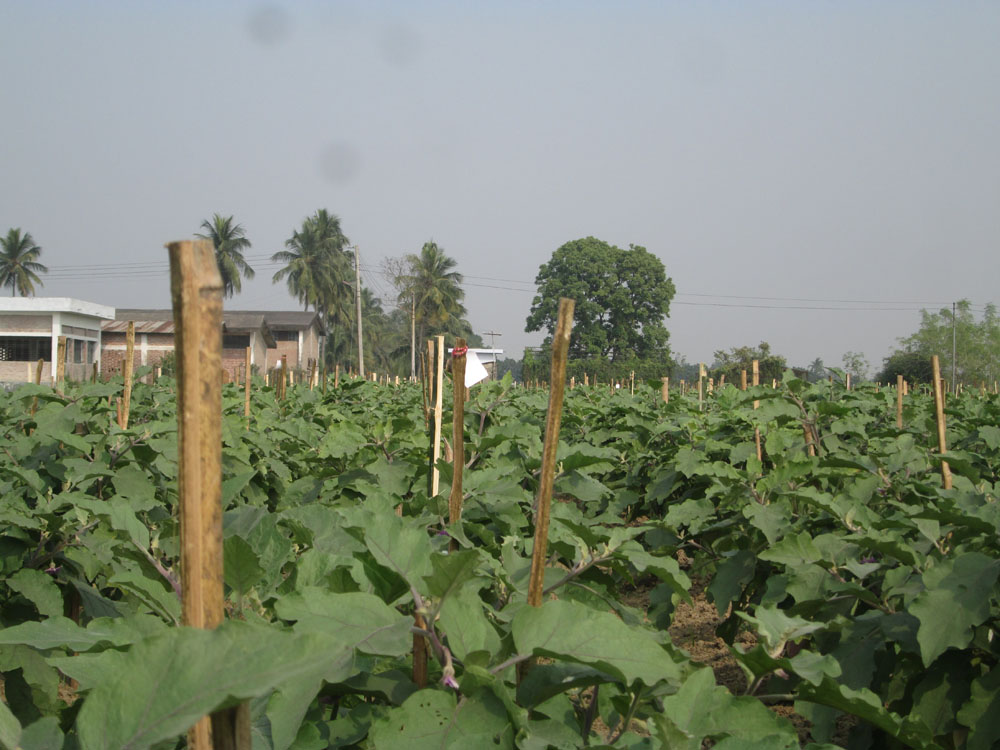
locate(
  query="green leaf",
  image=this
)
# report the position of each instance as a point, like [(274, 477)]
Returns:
[(701, 709), (956, 599), (402, 548), (165, 684), (777, 628), (432, 718), (981, 713), (730, 577), (61, 632), (463, 620), (10, 729), (363, 620), (241, 566), (451, 571), (136, 486), (575, 632), (580, 486), (39, 589)]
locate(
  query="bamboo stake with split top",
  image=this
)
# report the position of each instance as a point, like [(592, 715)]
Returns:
[(586, 379), (755, 373), (246, 387), (899, 402), (458, 360), (438, 414), (128, 370), (939, 413), (60, 374), (560, 346), (572, 383), (196, 289), (665, 390)]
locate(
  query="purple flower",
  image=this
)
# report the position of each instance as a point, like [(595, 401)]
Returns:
[(443, 532), (449, 681), (52, 571), (868, 560)]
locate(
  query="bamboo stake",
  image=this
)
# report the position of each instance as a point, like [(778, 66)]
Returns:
[(60, 363), (586, 379), (38, 381), (196, 289), (743, 380), (755, 373), (701, 379), (939, 413), (899, 402), (312, 373), (560, 345), (127, 370), (438, 412), (458, 360), (336, 376), (323, 378), (246, 388), (93, 373), (665, 390), (283, 380), (572, 383), (848, 382)]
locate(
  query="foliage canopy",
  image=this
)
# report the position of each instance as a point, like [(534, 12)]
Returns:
[(622, 297)]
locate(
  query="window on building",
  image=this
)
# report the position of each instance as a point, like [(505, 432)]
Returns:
[(286, 335), (91, 350), (230, 341), (79, 348), (25, 348)]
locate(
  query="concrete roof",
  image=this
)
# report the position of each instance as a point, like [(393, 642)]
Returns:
[(56, 304)]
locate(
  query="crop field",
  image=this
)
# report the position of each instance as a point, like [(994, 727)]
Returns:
[(694, 596)]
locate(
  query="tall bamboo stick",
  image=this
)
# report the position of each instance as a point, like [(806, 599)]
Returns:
[(755, 374), (560, 346), (939, 413), (458, 360), (196, 289), (899, 402), (438, 413), (127, 369), (246, 387)]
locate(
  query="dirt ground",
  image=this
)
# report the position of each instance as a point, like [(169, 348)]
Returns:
[(693, 629)]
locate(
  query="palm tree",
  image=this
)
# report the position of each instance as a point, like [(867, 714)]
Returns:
[(316, 266), (19, 266), (434, 290), (230, 241)]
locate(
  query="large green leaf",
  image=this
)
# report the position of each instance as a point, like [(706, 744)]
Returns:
[(435, 719), (363, 620), (165, 684), (956, 598), (61, 632), (574, 632)]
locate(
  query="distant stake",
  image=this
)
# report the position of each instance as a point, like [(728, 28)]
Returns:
[(560, 346), (246, 387), (939, 412), (283, 381), (38, 381), (196, 289), (899, 402), (60, 363), (755, 371), (743, 380), (665, 390), (336, 376), (458, 360), (127, 368), (701, 386), (438, 414)]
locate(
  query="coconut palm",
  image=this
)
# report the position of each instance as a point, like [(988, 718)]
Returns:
[(434, 290), (19, 266), (317, 269), (230, 241)]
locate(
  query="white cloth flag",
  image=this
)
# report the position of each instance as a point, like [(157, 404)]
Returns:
[(474, 370)]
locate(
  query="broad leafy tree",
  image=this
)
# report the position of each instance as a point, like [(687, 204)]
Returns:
[(19, 266), (622, 298), (977, 345), (230, 242), (730, 363), (857, 364)]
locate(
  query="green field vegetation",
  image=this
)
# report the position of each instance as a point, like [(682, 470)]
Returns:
[(849, 583)]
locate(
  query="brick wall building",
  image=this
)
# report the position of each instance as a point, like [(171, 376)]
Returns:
[(30, 328), (154, 339)]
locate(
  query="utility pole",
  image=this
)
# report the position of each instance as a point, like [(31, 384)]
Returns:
[(357, 306), (493, 345), (954, 349)]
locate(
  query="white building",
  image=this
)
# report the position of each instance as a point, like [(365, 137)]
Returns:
[(30, 328)]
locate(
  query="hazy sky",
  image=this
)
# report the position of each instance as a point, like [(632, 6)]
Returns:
[(773, 155)]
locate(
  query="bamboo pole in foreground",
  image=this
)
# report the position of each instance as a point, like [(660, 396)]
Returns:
[(196, 290), (939, 413), (60, 374), (127, 368), (560, 346), (458, 360), (755, 374), (246, 387), (899, 402), (665, 390), (438, 412)]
